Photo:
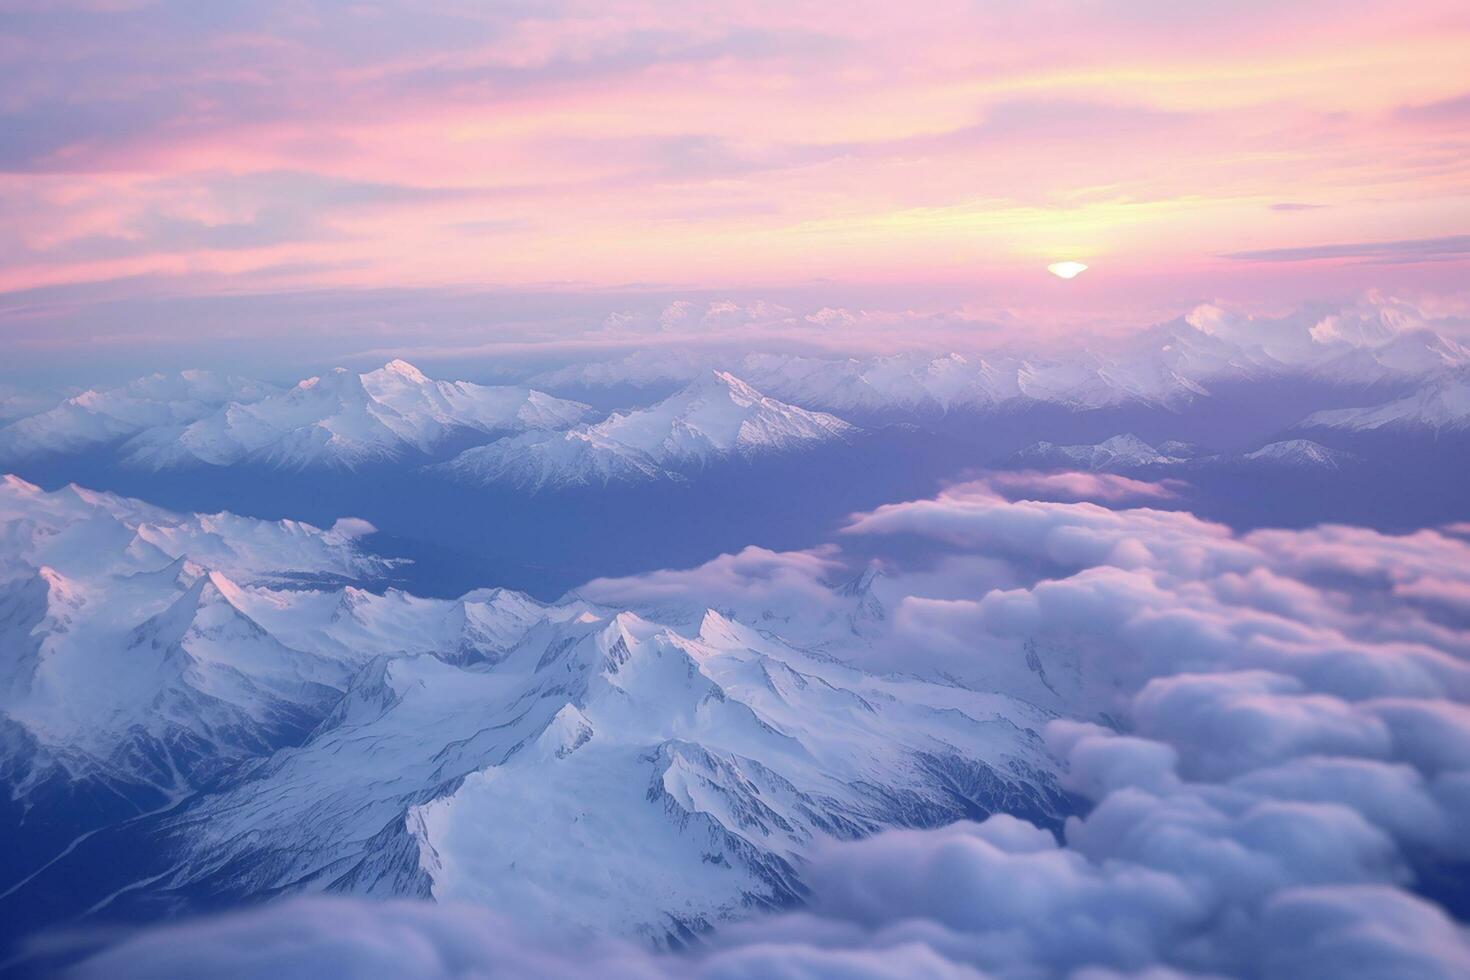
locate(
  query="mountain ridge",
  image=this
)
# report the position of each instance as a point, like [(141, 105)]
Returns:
[(716, 417)]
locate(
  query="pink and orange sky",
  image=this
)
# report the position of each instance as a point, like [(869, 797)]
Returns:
[(1256, 152)]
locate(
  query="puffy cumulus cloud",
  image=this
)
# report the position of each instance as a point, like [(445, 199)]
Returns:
[(754, 583), (1347, 608), (1105, 487), (353, 939), (1268, 734), (829, 316), (324, 937), (1314, 333), (353, 527), (1368, 931), (1285, 710), (1071, 535), (1146, 888), (1296, 330)]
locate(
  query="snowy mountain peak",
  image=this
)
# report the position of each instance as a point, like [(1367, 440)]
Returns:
[(723, 383), (1127, 444), (1123, 451), (716, 414), (404, 370), (1301, 453), (718, 631)]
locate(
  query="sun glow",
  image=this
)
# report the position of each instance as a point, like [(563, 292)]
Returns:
[(1066, 270)]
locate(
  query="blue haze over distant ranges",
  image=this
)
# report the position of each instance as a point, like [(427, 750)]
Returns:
[(462, 537)]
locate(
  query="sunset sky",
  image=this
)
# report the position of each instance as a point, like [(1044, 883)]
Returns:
[(944, 153)]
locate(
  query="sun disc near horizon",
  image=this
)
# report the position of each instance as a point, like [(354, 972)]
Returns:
[(1066, 270)]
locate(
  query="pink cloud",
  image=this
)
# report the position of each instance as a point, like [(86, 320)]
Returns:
[(764, 143), (1105, 487)]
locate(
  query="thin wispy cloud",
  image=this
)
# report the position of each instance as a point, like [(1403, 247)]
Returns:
[(390, 144), (1424, 249)]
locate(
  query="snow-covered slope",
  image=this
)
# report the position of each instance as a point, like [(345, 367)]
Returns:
[(1124, 451), (1128, 452), (1410, 354), (911, 382), (1300, 454), (716, 417), (129, 658), (346, 420), (612, 774), (102, 416), (1172, 363), (1441, 404), (568, 762)]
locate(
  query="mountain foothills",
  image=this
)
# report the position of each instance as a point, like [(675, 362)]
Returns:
[(208, 681)]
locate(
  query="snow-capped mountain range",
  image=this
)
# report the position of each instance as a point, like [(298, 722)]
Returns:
[(1129, 452), (567, 762), (716, 417), (1119, 452), (339, 419), (1300, 454), (1440, 405), (343, 419), (102, 416), (1169, 364), (126, 656)]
